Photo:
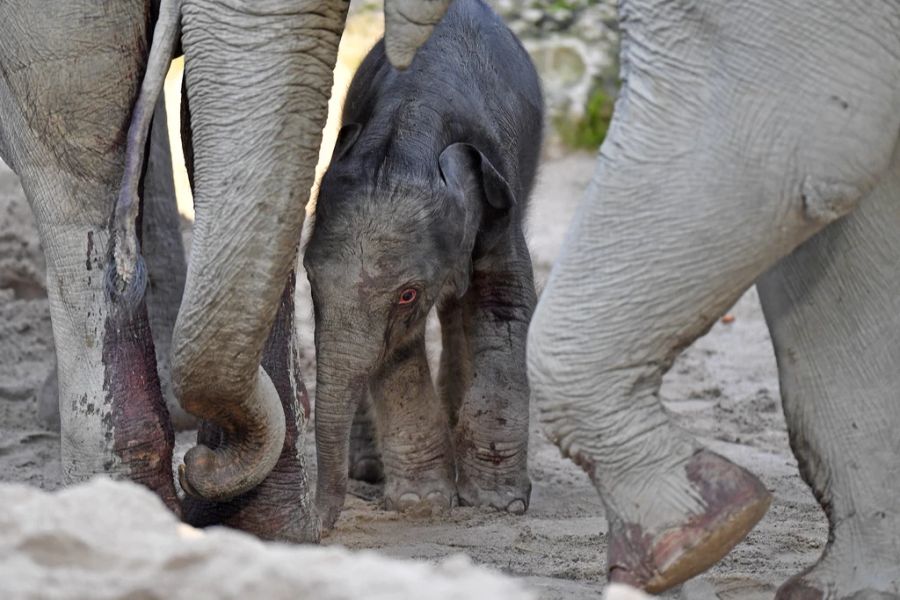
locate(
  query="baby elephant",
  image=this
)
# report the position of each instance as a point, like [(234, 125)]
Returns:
[(423, 206)]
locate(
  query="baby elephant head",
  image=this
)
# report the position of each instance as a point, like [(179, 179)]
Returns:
[(392, 237)]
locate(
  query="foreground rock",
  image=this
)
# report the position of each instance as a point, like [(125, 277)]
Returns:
[(106, 539)]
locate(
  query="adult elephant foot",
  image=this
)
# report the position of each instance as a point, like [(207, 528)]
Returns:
[(281, 507), (860, 563), (712, 505)]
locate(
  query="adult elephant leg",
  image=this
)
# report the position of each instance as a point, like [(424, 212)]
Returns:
[(281, 507), (630, 291), (258, 77), (697, 192), (833, 307), (113, 419), (163, 252), (407, 25)]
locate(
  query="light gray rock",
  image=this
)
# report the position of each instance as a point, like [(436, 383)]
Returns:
[(574, 45), (106, 540), (621, 591)]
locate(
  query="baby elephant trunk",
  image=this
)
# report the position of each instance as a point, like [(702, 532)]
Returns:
[(342, 381)]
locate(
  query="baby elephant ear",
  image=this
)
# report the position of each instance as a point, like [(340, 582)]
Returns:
[(463, 166), (486, 197), (345, 139)]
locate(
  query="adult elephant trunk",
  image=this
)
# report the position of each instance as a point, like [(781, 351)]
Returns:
[(407, 25), (258, 76), (342, 381)]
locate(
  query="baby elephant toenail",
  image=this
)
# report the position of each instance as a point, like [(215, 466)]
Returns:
[(516, 507), (438, 499), (408, 500)]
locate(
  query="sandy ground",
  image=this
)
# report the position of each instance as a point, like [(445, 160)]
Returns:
[(724, 389)]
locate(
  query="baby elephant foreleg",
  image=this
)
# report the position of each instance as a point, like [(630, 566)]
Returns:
[(492, 429), (413, 433)]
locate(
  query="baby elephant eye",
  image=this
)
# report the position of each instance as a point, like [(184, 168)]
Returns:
[(408, 296)]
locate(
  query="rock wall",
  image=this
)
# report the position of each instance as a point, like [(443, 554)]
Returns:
[(574, 45)]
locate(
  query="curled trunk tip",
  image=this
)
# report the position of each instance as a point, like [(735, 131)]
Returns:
[(251, 443)]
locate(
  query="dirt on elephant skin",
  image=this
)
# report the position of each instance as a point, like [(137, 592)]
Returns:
[(724, 389)]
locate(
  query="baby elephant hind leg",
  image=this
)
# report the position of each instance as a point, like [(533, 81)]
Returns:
[(492, 429), (455, 373), (833, 308), (414, 435), (365, 459)]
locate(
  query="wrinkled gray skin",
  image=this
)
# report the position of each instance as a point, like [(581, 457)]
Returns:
[(752, 142), (70, 75), (426, 194), (163, 251)]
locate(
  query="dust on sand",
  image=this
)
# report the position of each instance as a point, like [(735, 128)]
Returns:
[(724, 389)]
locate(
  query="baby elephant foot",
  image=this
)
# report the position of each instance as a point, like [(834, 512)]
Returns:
[(861, 562), (723, 503), (492, 473), (511, 494), (421, 497)]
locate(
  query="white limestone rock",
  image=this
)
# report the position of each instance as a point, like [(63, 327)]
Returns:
[(105, 540), (620, 591)]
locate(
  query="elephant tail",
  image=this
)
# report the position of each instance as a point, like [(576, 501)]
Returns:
[(126, 278)]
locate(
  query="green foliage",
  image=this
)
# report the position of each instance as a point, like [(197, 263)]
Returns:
[(587, 132), (563, 5), (572, 5)]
